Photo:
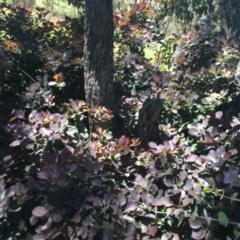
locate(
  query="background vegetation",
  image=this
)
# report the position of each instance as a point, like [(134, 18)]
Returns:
[(58, 183), (62, 7)]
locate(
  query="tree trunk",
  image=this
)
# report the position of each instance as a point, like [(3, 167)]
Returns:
[(98, 57)]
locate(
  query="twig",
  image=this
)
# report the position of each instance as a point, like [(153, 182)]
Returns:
[(25, 73)]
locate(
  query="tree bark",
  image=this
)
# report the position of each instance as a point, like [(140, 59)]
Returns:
[(148, 129), (98, 57)]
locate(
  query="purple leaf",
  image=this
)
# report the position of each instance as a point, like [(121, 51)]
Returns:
[(210, 236), (48, 159), (167, 181), (33, 220), (150, 216), (21, 225), (63, 182), (218, 115), (56, 217), (88, 164), (219, 177), (198, 235), (43, 235), (182, 175), (107, 198), (193, 131), (128, 218), (39, 211), (76, 218), (92, 232), (65, 155), (233, 151), (96, 183), (143, 227), (187, 151), (118, 226), (211, 182), (4, 202), (122, 199), (71, 131), (91, 145), (43, 174), (97, 202), (164, 237), (147, 197), (152, 230), (231, 176), (13, 190), (19, 189), (135, 194), (74, 105), (178, 211), (84, 135), (175, 237), (220, 151), (20, 114), (188, 185), (152, 145), (45, 132), (186, 201), (138, 67), (56, 117), (47, 225), (132, 237), (147, 238), (192, 158), (108, 234), (139, 180), (71, 168), (129, 230), (32, 115), (162, 201), (15, 143), (131, 206), (212, 155), (64, 122)]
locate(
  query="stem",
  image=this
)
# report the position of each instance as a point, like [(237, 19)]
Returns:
[(216, 220), (237, 200), (24, 72)]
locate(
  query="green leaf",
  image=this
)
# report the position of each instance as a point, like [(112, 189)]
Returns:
[(169, 211), (208, 190), (233, 197), (194, 214), (206, 217), (222, 217), (169, 222), (236, 233), (180, 219)]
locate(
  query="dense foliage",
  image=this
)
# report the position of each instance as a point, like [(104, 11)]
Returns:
[(56, 183)]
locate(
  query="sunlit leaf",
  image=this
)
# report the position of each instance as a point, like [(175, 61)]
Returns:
[(198, 235), (162, 201), (195, 224), (39, 211), (223, 219)]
